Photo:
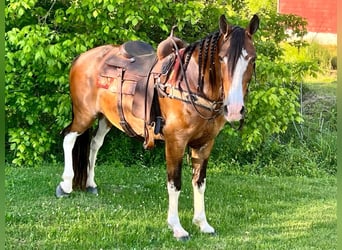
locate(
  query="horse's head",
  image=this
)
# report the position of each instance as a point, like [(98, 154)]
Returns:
[(237, 57)]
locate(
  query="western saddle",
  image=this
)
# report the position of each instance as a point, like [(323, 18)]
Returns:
[(135, 70)]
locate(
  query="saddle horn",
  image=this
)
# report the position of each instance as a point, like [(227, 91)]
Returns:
[(173, 30), (166, 47)]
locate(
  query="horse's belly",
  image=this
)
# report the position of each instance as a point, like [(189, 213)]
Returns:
[(109, 107)]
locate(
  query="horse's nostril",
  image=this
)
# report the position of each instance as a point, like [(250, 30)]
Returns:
[(225, 109), (242, 111)]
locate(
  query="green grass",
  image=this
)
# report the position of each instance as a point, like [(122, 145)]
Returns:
[(248, 212)]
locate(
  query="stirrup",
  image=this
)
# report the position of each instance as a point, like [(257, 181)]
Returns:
[(149, 137), (158, 125)]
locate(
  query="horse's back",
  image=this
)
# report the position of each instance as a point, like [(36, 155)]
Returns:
[(83, 90), (88, 63)]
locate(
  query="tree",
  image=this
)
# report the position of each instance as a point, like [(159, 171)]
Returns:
[(43, 37)]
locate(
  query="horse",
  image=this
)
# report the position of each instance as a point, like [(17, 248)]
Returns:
[(187, 95)]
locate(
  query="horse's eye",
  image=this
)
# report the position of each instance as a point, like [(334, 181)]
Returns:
[(223, 59)]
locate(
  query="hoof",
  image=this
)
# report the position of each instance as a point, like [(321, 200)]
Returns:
[(183, 238), (60, 193), (93, 190), (213, 234)]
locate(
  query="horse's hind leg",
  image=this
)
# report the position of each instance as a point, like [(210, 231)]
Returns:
[(65, 187), (95, 145), (76, 154)]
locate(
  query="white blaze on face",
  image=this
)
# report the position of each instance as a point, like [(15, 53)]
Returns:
[(234, 101)]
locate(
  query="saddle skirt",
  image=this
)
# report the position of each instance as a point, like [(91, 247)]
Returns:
[(129, 71), (133, 70)]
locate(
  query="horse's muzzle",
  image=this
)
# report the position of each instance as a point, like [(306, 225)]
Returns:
[(234, 112)]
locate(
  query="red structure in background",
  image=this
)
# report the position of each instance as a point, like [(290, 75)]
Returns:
[(321, 15)]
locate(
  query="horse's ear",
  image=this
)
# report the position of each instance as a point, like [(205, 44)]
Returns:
[(253, 25), (224, 26)]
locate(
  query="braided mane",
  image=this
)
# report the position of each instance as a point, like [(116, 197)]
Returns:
[(207, 48), (206, 45)]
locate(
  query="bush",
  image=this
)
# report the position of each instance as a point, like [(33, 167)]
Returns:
[(320, 54), (129, 152), (43, 37), (41, 40)]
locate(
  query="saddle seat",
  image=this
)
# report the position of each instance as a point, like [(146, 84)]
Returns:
[(133, 49)]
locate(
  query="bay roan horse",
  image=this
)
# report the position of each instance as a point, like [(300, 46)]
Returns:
[(195, 89)]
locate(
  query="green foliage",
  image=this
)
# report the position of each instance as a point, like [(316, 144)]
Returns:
[(305, 149), (43, 37), (321, 55), (117, 142)]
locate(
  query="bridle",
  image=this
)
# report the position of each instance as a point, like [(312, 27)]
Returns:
[(198, 101), (216, 106)]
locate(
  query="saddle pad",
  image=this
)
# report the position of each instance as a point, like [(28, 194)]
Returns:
[(112, 84)]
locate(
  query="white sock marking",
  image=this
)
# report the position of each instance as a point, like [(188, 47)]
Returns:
[(95, 145), (172, 216), (68, 174), (199, 208)]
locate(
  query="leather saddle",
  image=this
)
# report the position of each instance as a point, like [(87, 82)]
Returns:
[(133, 71), (133, 65)]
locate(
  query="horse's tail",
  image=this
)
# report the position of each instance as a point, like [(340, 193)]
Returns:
[(80, 160)]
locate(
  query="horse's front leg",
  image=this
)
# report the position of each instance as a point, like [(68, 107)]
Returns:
[(96, 143), (200, 158), (174, 153)]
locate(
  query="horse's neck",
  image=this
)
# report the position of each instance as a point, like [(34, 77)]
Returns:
[(211, 85)]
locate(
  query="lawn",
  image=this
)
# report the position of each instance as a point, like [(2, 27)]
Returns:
[(247, 211)]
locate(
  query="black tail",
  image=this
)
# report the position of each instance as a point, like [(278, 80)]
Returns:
[(80, 156)]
